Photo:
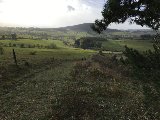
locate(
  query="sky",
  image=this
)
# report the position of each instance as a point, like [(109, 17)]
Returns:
[(53, 13)]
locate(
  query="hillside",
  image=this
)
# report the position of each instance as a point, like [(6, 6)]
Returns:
[(74, 32), (79, 28)]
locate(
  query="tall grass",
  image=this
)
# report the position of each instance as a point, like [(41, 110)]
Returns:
[(1, 50), (101, 89)]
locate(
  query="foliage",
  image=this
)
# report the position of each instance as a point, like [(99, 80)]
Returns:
[(147, 37), (22, 45), (3, 37), (88, 43), (141, 12), (145, 65), (1, 50), (52, 46), (33, 53), (98, 89), (14, 36)]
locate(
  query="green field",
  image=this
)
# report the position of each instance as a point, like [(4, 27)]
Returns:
[(31, 60), (46, 73), (38, 54), (36, 51), (118, 45)]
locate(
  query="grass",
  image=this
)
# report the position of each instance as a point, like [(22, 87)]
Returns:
[(36, 43), (61, 52), (52, 77), (92, 89), (31, 60), (32, 99), (118, 45)]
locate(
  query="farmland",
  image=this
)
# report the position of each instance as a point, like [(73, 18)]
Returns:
[(55, 80)]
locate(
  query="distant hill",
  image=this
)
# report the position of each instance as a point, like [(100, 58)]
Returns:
[(85, 27), (79, 28)]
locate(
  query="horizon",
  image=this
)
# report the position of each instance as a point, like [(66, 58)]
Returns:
[(43, 13), (69, 26)]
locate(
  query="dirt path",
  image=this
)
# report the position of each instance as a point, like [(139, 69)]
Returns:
[(32, 99)]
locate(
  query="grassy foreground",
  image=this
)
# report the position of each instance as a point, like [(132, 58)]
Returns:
[(62, 82), (97, 88), (32, 99)]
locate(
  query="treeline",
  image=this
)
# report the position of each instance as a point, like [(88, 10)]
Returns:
[(89, 42), (22, 45), (147, 37)]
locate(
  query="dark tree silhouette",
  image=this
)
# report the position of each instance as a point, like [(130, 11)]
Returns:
[(3, 37), (14, 36), (141, 12)]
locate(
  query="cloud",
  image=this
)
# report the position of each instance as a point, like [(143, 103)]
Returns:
[(70, 8), (50, 13)]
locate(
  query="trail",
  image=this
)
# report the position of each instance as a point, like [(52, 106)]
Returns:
[(31, 99)]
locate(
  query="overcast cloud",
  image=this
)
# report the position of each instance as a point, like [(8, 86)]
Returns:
[(52, 13)]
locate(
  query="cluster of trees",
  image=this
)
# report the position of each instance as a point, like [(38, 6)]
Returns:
[(147, 37), (88, 43), (12, 36)]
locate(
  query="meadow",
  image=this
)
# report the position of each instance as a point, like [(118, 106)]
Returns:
[(57, 81), (118, 45)]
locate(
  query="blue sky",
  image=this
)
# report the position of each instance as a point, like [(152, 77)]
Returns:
[(53, 13)]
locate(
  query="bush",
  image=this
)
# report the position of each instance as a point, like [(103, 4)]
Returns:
[(89, 43), (29, 46), (37, 45), (91, 95), (33, 53), (1, 51), (52, 46), (145, 65), (10, 45), (14, 45), (22, 45)]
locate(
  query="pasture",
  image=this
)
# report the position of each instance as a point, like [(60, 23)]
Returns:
[(52, 76), (118, 45)]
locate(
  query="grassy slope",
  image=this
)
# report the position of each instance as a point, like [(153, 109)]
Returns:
[(62, 51), (27, 94), (42, 58), (32, 99), (118, 45), (33, 42)]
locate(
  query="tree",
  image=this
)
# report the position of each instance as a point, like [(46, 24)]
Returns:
[(141, 12), (77, 43), (88, 43), (14, 36), (3, 37)]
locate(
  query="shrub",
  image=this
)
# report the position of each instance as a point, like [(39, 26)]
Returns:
[(22, 45), (10, 45), (37, 45), (88, 43), (52, 46), (1, 50), (74, 103), (29, 46), (33, 53), (86, 97), (14, 45), (145, 65)]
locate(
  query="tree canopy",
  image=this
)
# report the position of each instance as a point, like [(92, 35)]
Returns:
[(141, 12)]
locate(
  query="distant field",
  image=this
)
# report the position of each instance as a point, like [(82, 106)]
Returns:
[(118, 45), (33, 60), (37, 54), (46, 69), (58, 43)]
